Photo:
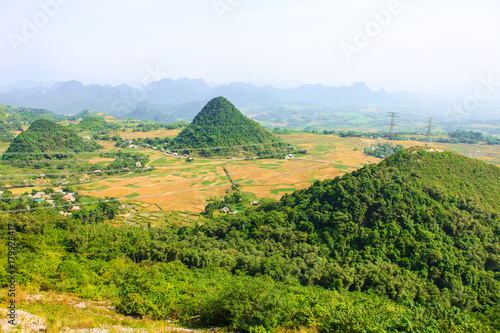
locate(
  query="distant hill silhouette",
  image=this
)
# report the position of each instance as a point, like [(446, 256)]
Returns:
[(183, 97)]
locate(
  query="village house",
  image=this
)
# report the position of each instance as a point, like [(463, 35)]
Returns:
[(225, 210), (69, 197), (138, 164), (38, 195)]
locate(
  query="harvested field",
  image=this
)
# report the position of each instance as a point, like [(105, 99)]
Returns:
[(176, 185)]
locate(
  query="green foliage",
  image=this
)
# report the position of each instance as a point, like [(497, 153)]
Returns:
[(97, 125), (383, 150), (220, 124), (408, 245), (27, 115), (44, 136)]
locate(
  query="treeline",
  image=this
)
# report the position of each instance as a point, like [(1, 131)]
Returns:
[(129, 161), (383, 150), (157, 126), (469, 137)]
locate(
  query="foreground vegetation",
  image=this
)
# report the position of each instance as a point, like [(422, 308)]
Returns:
[(409, 245)]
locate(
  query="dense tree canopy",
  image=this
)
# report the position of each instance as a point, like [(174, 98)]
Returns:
[(408, 245), (220, 124), (44, 136)]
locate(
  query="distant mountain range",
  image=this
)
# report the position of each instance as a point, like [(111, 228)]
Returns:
[(168, 100)]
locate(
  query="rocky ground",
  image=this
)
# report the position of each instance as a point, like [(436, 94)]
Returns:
[(91, 311)]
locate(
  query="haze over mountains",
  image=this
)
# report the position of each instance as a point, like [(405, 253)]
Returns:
[(170, 100), (183, 98)]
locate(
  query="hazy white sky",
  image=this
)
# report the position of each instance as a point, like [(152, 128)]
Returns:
[(423, 43)]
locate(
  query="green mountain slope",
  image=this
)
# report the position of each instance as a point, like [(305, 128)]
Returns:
[(44, 136), (97, 125), (431, 218), (420, 227), (220, 124)]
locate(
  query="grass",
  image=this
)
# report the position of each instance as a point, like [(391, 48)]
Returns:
[(133, 195), (58, 311), (278, 190)]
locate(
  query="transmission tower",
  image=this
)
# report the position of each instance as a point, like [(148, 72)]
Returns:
[(430, 122), (393, 116)]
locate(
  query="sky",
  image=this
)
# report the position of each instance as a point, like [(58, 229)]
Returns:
[(413, 45)]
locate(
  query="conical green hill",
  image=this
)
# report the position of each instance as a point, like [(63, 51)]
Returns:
[(220, 124), (44, 136)]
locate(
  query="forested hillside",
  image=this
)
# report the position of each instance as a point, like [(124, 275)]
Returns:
[(44, 136), (221, 125), (26, 115), (408, 245), (13, 119), (97, 125)]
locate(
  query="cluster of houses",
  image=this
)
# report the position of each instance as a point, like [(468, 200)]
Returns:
[(168, 152), (289, 157), (67, 196)]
